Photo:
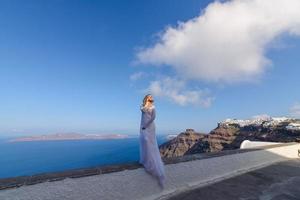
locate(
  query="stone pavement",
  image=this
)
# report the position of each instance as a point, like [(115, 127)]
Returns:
[(280, 181)]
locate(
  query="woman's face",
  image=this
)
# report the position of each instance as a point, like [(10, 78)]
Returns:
[(150, 99)]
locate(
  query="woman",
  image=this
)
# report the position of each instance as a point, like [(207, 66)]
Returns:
[(149, 152)]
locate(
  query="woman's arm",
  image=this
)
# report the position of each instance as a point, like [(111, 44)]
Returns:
[(153, 115)]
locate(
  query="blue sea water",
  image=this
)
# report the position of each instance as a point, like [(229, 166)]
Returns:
[(27, 158)]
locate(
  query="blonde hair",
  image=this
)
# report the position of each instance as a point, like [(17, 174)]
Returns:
[(145, 99)]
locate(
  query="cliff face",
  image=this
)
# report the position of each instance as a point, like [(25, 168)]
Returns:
[(179, 145), (229, 134)]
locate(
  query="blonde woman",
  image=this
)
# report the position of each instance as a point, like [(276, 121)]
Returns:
[(149, 152)]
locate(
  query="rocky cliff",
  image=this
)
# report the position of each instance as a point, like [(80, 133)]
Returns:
[(230, 133)]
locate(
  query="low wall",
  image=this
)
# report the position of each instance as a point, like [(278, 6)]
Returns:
[(183, 174), (247, 144)]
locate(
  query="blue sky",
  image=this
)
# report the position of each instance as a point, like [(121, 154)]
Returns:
[(69, 65)]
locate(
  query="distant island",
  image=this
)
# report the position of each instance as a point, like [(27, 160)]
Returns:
[(171, 136), (69, 136)]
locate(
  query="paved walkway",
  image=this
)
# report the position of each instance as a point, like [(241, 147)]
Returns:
[(276, 182), (280, 181)]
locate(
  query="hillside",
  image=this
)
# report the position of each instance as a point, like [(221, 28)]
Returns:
[(230, 133)]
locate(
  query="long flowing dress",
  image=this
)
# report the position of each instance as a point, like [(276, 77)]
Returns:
[(149, 152)]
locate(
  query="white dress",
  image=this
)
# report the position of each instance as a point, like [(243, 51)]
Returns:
[(149, 152)]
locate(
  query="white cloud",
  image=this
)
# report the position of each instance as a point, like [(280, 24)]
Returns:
[(295, 110), (227, 42), (176, 91), (136, 76)]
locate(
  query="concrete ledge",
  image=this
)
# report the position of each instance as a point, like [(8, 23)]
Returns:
[(13, 182), (247, 144), (183, 173)]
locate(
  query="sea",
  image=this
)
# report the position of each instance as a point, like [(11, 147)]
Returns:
[(28, 158)]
